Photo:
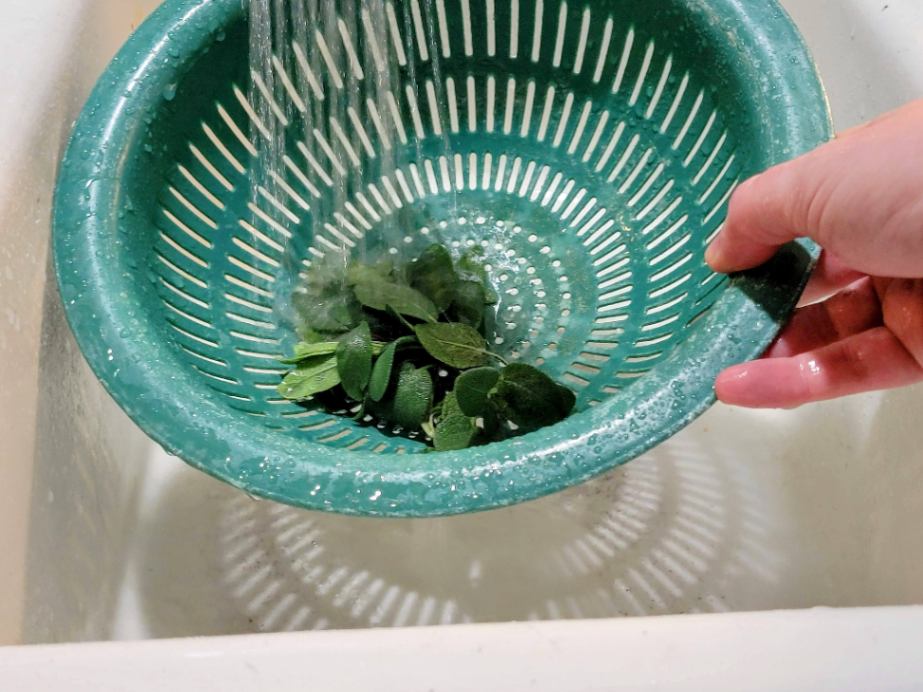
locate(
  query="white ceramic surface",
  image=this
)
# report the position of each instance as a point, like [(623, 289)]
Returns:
[(818, 650)]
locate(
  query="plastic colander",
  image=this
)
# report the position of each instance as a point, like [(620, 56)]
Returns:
[(593, 150)]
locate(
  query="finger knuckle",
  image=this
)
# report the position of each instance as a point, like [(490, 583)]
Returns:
[(854, 360), (903, 314)]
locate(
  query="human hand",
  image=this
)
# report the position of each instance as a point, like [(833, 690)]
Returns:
[(861, 328)]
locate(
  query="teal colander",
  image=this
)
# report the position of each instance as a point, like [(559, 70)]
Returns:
[(592, 150)]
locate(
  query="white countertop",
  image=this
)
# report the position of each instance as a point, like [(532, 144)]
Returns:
[(817, 650)]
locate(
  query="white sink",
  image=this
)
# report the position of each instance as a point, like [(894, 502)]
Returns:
[(105, 537)]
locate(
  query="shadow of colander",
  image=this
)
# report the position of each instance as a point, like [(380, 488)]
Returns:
[(679, 531), (588, 149)]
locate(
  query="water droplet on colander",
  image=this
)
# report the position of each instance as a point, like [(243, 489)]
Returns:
[(169, 91)]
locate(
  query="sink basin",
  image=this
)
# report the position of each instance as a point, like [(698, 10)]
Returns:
[(108, 538)]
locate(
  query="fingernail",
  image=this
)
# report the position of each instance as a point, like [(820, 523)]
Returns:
[(713, 255)]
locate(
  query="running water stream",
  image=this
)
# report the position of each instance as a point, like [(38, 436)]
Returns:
[(310, 113)]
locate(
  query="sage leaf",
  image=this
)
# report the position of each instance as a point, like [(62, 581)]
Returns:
[(471, 268), (530, 398), (327, 308), (469, 302), (449, 406), (380, 295), (384, 367), (363, 273), (453, 433), (453, 429), (472, 389), (354, 361), (433, 274), (304, 350), (313, 376), (413, 397), (455, 344)]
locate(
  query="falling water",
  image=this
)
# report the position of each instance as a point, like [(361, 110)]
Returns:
[(302, 37)]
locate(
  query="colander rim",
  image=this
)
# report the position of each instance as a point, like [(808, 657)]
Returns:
[(201, 430)]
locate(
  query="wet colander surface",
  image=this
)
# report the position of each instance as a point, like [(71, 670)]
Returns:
[(593, 148)]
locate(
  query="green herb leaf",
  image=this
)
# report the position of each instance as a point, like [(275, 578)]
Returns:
[(489, 424), (472, 388), (453, 429), (381, 372), (315, 375), (469, 303), (529, 398), (323, 303), (413, 397), (448, 406), (454, 432), (363, 273), (304, 350), (433, 274), (336, 314), (354, 361), (455, 344), (380, 295), (470, 268), (384, 366)]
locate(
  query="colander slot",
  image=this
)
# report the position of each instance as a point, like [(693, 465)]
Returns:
[(207, 194), (660, 88), (581, 126), (674, 107), (184, 294), (663, 216), (717, 181), (642, 74), (709, 124), (711, 159), (235, 130), (687, 125), (623, 61)]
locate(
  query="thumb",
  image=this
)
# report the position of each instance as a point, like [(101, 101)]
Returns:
[(764, 213)]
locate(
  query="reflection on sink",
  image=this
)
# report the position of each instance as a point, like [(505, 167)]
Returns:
[(665, 534)]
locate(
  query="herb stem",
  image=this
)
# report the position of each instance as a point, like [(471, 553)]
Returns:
[(503, 360), (402, 319)]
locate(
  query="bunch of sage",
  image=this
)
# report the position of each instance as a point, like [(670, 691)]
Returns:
[(406, 344)]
